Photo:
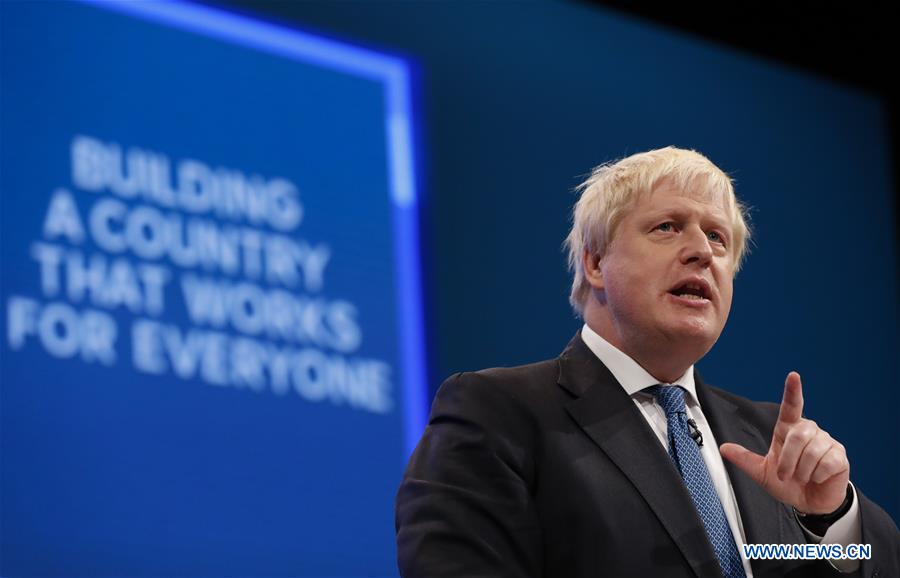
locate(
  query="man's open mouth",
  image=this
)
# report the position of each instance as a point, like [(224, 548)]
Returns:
[(694, 290)]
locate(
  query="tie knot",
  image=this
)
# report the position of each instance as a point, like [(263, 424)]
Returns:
[(670, 397)]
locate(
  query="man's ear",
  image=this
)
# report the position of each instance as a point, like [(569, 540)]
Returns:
[(592, 271)]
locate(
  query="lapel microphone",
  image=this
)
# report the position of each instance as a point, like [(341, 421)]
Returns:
[(695, 432)]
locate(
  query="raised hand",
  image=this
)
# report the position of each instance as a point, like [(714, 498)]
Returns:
[(805, 467)]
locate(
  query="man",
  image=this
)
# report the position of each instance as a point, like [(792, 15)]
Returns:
[(607, 461)]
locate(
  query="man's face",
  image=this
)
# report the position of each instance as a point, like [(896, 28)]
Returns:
[(667, 274)]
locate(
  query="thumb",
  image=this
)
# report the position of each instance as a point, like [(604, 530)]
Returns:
[(752, 464)]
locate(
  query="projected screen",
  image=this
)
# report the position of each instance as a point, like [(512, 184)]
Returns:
[(211, 361)]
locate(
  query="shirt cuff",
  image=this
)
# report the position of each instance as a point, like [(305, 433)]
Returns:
[(845, 530)]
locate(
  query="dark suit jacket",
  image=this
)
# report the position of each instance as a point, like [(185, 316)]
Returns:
[(550, 470)]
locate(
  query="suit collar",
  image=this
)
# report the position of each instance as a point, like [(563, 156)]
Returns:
[(628, 372)]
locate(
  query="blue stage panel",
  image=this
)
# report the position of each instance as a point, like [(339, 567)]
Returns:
[(212, 360)]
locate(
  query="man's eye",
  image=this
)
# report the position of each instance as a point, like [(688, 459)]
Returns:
[(715, 237), (665, 227)]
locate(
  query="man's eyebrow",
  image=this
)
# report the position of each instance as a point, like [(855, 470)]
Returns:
[(676, 212), (722, 222), (682, 213)]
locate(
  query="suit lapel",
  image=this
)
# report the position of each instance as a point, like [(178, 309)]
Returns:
[(609, 417), (764, 519), (760, 514)]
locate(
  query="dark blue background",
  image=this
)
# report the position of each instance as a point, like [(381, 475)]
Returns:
[(518, 101)]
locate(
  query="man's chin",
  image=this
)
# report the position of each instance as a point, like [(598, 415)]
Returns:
[(694, 337)]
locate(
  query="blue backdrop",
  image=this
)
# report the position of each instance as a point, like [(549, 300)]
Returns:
[(212, 361), (113, 470)]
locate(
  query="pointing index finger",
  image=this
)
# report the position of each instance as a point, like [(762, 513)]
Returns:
[(792, 403)]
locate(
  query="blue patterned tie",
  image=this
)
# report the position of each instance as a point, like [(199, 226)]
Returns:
[(686, 455)]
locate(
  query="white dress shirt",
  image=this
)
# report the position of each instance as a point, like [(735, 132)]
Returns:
[(634, 379)]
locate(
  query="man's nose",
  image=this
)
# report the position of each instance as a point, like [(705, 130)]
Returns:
[(696, 247)]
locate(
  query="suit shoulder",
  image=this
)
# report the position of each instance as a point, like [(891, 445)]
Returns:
[(520, 375), (521, 386), (516, 381)]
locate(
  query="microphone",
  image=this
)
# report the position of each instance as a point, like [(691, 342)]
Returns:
[(695, 432)]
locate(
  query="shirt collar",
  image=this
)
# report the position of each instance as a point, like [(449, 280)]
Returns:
[(631, 376)]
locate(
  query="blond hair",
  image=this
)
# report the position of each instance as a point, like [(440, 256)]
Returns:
[(613, 188)]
